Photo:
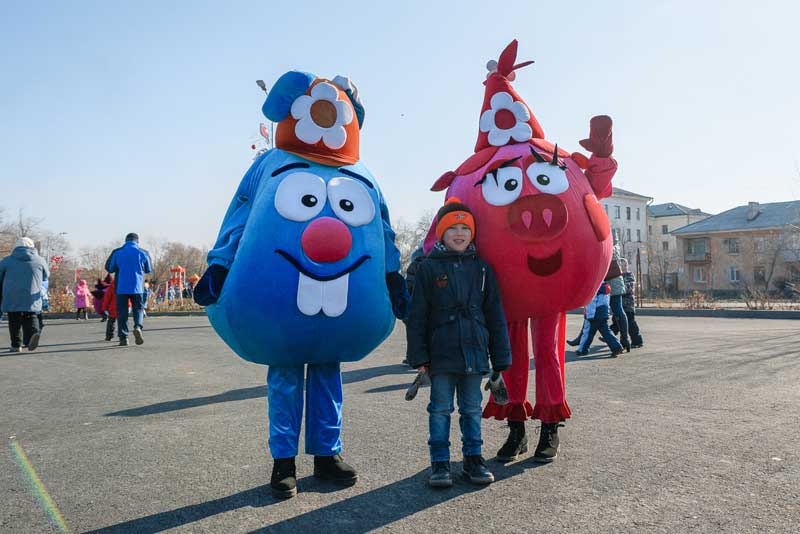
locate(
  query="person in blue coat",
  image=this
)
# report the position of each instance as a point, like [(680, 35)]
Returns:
[(129, 263), (304, 272)]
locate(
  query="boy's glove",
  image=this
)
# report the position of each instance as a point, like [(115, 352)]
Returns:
[(421, 380), (497, 386), (398, 294), (209, 287)]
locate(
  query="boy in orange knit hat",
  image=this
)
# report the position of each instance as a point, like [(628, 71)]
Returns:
[(456, 325)]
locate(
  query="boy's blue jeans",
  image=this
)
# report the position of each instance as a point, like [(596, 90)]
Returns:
[(468, 388)]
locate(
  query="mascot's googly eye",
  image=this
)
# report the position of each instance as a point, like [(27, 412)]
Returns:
[(502, 186), (547, 178), (351, 202), (300, 196)]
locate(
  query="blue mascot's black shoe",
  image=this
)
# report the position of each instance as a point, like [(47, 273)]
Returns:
[(335, 469), (284, 478)]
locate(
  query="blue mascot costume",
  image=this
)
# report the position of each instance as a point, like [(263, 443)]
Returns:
[(304, 273)]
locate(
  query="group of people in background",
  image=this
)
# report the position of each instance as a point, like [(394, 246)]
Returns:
[(615, 299), (23, 292)]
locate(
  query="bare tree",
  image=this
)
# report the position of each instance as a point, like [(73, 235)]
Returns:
[(408, 236)]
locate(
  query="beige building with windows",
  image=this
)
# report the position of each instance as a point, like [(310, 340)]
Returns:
[(663, 256), (756, 246)]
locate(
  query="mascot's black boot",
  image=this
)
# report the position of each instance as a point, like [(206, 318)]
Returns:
[(516, 444), (284, 478), (335, 469), (547, 449)]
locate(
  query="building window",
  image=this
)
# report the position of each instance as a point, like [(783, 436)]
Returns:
[(699, 275), (665, 246), (732, 245), (649, 229), (616, 212), (638, 214), (628, 212), (733, 273), (696, 247), (627, 234), (664, 229), (759, 274), (760, 245), (638, 235)]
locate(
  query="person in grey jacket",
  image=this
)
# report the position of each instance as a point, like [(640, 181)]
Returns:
[(21, 277), (617, 283)]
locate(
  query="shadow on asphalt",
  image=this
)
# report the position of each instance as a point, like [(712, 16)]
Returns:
[(183, 404), (356, 375), (355, 515)]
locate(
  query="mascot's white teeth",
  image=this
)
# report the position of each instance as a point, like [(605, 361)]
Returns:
[(330, 297)]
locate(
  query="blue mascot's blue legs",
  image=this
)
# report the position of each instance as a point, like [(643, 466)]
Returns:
[(324, 410), (285, 398)]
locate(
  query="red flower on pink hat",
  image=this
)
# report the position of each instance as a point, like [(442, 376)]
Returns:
[(506, 119)]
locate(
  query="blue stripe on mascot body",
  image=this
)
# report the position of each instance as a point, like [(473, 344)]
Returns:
[(296, 292)]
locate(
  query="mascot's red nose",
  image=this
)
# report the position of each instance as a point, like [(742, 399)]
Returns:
[(326, 240)]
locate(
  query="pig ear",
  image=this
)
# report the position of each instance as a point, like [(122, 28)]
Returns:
[(430, 238), (444, 181), (580, 159)]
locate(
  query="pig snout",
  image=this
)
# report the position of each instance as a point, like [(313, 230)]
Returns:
[(537, 217)]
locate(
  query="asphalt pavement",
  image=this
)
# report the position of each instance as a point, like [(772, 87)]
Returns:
[(697, 431)]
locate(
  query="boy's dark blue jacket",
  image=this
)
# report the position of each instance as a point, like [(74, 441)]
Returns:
[(456, 319)]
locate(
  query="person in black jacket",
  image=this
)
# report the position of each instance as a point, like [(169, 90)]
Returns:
[(455, 322)]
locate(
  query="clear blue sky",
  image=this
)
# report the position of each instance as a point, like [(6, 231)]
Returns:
[(138, 116)]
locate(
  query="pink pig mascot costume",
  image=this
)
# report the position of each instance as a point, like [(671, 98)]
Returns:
[(545, 234)]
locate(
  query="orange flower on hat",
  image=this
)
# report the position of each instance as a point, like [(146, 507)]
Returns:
[(506, 119), (322, 116)]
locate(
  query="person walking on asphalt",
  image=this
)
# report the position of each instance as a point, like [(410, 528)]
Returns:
[(21, 277), (129, 263)]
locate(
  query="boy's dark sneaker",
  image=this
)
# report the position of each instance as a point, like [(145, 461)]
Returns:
[(581, 352), (14, 349), (137, 334), (123, 342), (476, 471), (637, 345), (440, 475), (615, 353), (547, 449), (284, 478), (109, 338), (34, 342), (626, 345), (335, 469), (574, 342), (516, 444)]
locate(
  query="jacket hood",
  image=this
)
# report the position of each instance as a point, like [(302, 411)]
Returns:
[(23, 253)]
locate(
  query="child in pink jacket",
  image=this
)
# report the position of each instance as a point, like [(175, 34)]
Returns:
[(83, 299)]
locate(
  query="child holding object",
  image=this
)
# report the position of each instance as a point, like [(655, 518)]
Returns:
[(456, 325)]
